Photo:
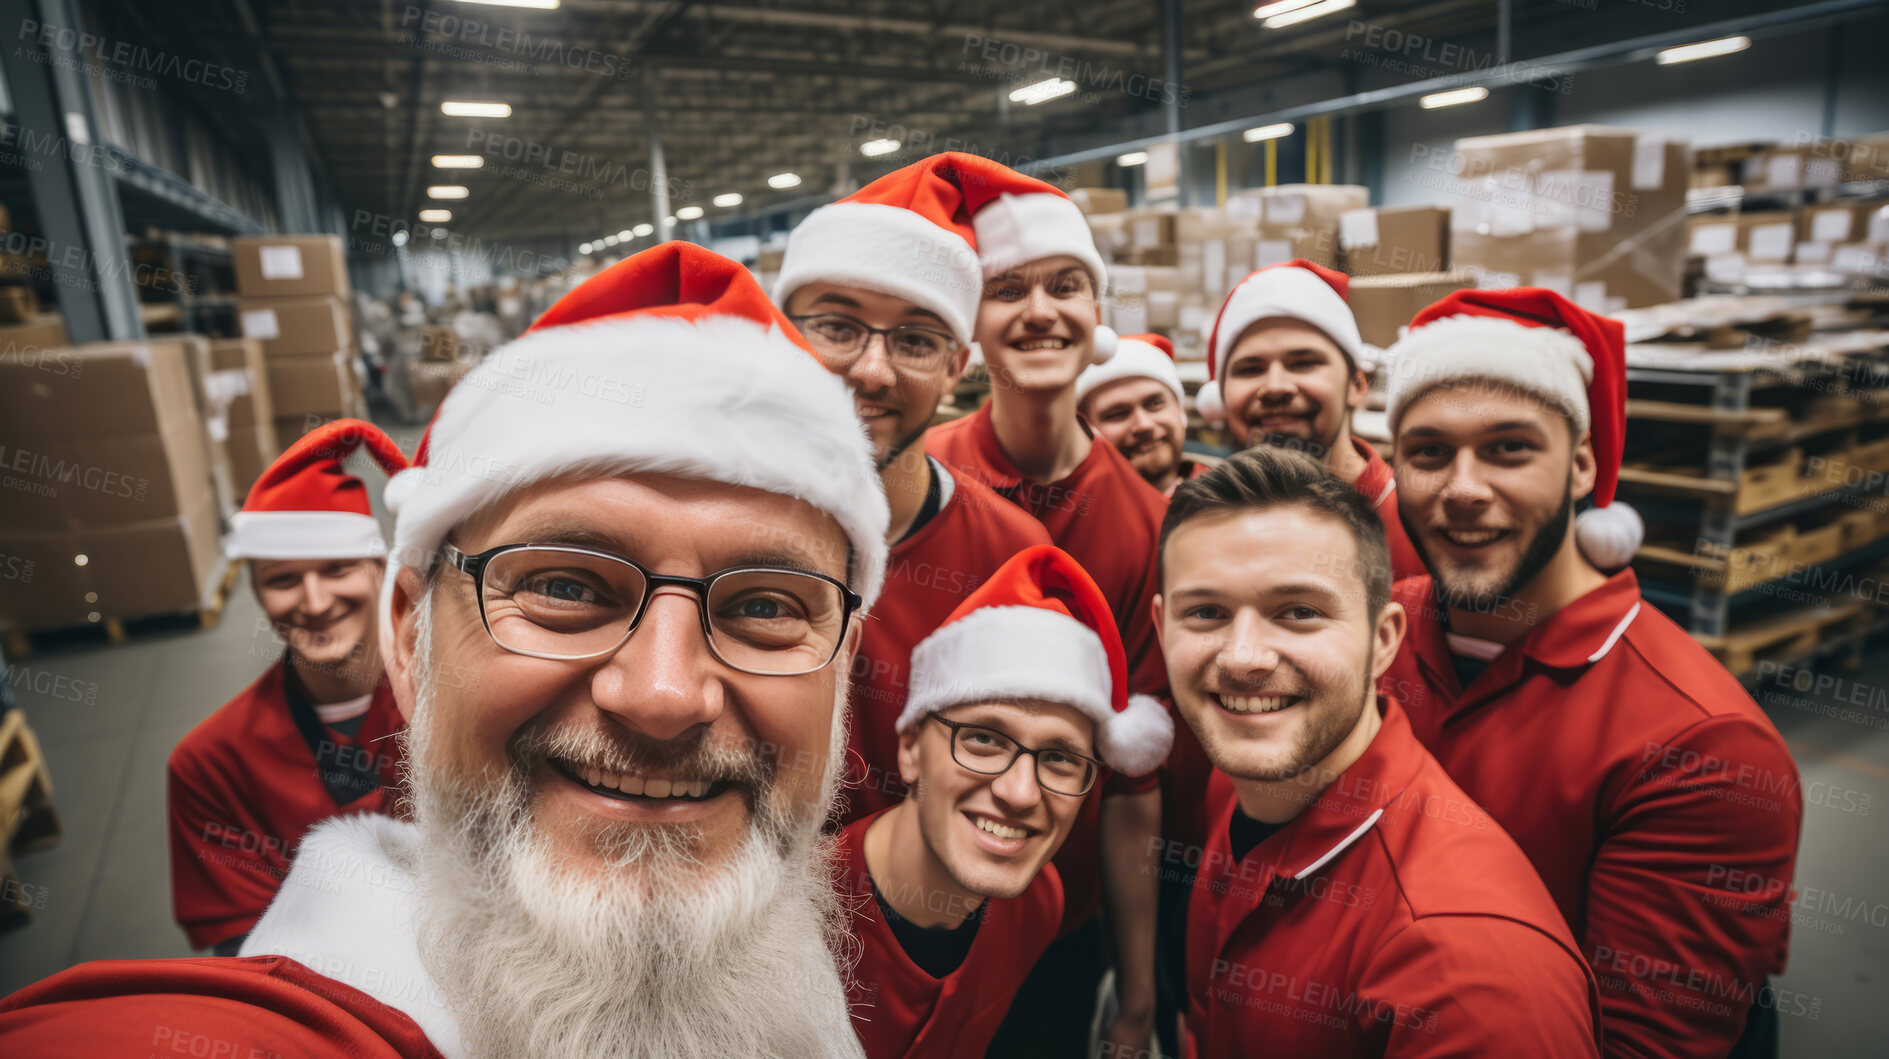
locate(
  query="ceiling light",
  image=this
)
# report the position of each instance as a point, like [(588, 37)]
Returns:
[(1042, 91), (1704, 50), (436, 216), (1267, 132), (626, 235), (1454, 97), (439, 233), (468, 108), (583, 248), (1280, 7), (689, 213), (400, 237), (642, 230), (458, 161), (730, 199), (446, 191), (537, 5), (611, 240), (670, 221), (784, 180), (875, 148), (1132, 158), (1297, 15)]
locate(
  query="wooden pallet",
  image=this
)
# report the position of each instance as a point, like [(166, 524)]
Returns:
[(1787, 638), (20, 643), (27, 819)]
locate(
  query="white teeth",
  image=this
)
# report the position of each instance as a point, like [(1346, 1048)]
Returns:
[(630, 784), (593, 777), (1472, 537), (637, 785), (1042, 343), (656, 789), (1255, 703), (1000, 830)]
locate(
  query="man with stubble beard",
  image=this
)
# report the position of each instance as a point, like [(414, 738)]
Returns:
[(620, 630), (1634, 771)]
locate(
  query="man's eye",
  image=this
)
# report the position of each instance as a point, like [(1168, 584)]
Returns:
[(1204, 612), (836, 331), (1155, 403), (1299, 612)]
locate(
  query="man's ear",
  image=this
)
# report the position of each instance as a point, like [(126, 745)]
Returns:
[(960, 362), (908, 755), (1357, 389), (1387, 638), (399, 641), (1581, 478), (1154, 613)]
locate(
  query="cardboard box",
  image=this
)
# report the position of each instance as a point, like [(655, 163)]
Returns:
[(431, 381), (1388, 240), (1789, 168), (296, 327), (43, 332), (1099, 200), (274, 266), (1844, 221), (317, 384), (1297, 220), (1152, 238), (18, 304), (108, 389), (1382, 304), (131, 570), (440, 343), (251, 417), (770, 259)]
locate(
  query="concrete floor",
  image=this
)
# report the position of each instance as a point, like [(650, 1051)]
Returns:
[(104, 889)]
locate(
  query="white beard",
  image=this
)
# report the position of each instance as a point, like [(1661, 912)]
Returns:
[(659, 957)]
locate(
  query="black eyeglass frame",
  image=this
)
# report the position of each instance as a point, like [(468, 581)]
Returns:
[(1095, 769), (474, 566), (952, 345)]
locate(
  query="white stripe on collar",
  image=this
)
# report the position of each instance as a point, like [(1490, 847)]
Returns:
[(1619, 631), (1389, 488), (1340, 847)]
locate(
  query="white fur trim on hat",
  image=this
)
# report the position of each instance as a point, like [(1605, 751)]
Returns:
[(1134, 359), (1609, 536), (1015, 230), (1285, 292), (1545, 361), (888, 249), (725, 399), (303, 535)]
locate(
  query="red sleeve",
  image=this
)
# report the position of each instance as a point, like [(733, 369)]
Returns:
[(1462, 985), (222, 873), (1688, 903), (1147, 667)]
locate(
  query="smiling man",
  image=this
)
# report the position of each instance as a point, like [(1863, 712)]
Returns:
[(311, 738), (620, 631), (1635, 772), (1134, 402), (1285, 368), (1013, 701), (1351, 900), (885, 285)]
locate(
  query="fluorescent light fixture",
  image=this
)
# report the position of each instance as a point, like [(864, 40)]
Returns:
[(642, 230), (688, 213), (536, 5), (1042, 91), (875, 148), (1267, 132), (1307, 13), (446, 191), (1280, 7), (1132, 158), (1710, 49), (728, 200), (1454, 97), (611, 240), (583, 248), (436, 216), (458, 161), (472, 108), (439, 233), (400, 239), (626, 235), (670, 221), (784, 180)]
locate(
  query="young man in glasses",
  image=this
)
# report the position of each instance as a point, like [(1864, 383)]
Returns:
[(620, 631), (312, 737), (885, 284), (1013, 701)]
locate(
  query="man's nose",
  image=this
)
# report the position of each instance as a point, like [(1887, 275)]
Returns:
[(663, 680)]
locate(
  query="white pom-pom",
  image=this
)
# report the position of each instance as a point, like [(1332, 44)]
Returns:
[(1102, 344), (977, 356), (1208, 403), (1136, 740), (401, 487), (1609, 536)]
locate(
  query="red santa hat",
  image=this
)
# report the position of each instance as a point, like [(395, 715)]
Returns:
[(671, 361), (307, 506), (1040, 630), (1541, 342), (1136, 357), (1299, 289), (1018, 219)]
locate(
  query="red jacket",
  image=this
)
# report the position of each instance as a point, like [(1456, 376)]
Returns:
[(1390, 918), (898, 1009), (259, 1006), (1648, 790), (245, 785), (1377, 483)]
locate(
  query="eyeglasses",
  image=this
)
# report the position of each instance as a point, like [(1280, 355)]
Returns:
[(564, 603), (840, 340), (989, 752)]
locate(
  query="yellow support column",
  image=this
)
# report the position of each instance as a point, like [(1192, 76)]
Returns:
[(1220, 173)]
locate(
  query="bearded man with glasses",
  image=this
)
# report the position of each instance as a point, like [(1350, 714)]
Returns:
[(620, 631)]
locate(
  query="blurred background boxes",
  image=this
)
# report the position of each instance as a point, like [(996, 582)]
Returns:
[(1383, 304), (1386, 240), (248, 411), (317, 384), (297, 326), (273, 266)]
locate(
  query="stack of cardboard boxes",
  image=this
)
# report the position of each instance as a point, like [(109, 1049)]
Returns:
[(1847, 235), (294, 301), (110, 510)]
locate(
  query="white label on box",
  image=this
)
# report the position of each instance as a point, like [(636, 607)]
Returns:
[(1357, 228), (1245, 206), (1830, 226), (1131, 318), (1497, 280), (1594, 200), (1285, 209), (281, 262), (1783, 170), (1860, 260), (219, 428), (1725, 268), (1591, 295), (1272, 252), (1821, 172), (1559, 282), (1147, 233), (1213, 261), (1164, 308), (1879, 226), (1812, 253), (1712, 239), (1771, 242), (1649, 163), (261, 323)]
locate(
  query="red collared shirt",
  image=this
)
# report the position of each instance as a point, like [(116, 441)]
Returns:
[(1377, 483), (1391, 918), (1648, 789)]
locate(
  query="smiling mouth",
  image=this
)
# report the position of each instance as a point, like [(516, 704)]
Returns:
[(1034, 344), (628, 787), (1246, 705), (1472, 538)]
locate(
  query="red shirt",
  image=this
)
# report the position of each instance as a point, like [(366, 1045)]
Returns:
[(245, 785), (927, 575), (1655, 798), (1377, 482), (1391, 918), (898, 1009), (259, 1006)]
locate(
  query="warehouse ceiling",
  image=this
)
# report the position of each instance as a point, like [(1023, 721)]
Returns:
[(746, 91)]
